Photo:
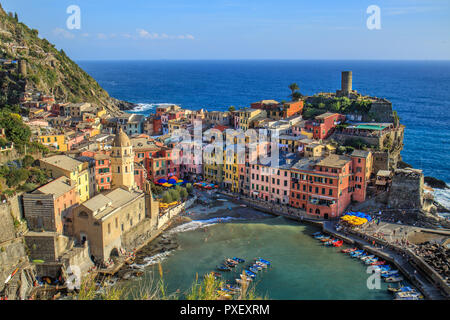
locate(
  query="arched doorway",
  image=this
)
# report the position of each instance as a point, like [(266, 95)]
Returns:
[(325, 216), (114, 253)]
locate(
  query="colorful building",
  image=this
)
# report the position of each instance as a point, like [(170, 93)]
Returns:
[(322, 187), (48, 207), (61, 165), (57, 142), (323, 125), (362, 163)]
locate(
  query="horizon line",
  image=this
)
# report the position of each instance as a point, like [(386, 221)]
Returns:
[(271, 59)]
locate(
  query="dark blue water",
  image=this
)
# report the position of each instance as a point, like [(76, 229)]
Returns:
[(419, 91)]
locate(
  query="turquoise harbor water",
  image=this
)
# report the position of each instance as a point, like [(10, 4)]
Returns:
[(302, 267)]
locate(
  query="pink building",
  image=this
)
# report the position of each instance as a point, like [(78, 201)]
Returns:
[(272, 183)]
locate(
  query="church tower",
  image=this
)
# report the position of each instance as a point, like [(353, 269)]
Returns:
[(122, 161)]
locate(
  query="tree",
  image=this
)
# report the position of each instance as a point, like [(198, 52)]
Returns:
[(296, 96), (189, 188), (16, 131), (293, 87), (183, 193), (167, 197), (174, 194), (231, 109), (27, 161)]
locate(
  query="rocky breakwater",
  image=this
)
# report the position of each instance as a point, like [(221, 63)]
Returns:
[(148, 255), (437, 256)]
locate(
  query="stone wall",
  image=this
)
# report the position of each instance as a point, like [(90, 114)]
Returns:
[(12, 253), (41, 246), (407, 189), (382, 111), (149, 227), (7, 230), (39, 211)]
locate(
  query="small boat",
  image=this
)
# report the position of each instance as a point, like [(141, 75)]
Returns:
[(257, 267), (316, 233), (264, 261), (233, 288), (253, 270), (216, 274), (356, 254), (370, 261), (367, 257), (223, 268), (338, 243), (239, 260), (393, 289), (394, 278), (231, 261), (320, 237), (262, 264), (390, 273), (378, 263), (249, 273), (224, 294), (408, 295), (348, 250), (329, 242), (325, 239)]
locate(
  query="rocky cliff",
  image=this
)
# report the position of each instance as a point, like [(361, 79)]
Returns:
[(38, 65)]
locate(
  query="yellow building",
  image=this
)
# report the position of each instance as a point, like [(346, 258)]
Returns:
[(212, 168), (56, 141), (246, 116), (122, 161), (231, 169), (77, 171)]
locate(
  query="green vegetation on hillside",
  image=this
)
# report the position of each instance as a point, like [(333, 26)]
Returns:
[(48, 70), (317, 105)]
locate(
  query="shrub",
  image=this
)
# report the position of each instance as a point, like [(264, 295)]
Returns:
[(167, 198)]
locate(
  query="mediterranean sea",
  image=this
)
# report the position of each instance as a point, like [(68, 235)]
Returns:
[(418, 90)]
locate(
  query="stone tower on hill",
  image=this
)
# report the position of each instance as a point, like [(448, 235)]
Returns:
[(122, 161)]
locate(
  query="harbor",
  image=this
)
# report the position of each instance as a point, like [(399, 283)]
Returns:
[(300, 268)]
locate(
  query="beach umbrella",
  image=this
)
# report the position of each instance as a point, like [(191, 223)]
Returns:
[(161, 181), (172, 181)]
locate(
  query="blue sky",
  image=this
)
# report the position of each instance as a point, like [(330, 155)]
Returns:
[(246, 29)]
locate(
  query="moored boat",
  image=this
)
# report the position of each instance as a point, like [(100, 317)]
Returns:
[(253, 270), (348, 250), (257, 267), (264, 261), (223, 268), (239, 260), (262, 264), (395, 278), (338, 243)]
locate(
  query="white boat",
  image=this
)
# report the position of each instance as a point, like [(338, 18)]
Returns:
[(262, 264), (408, 295), (367, 257)]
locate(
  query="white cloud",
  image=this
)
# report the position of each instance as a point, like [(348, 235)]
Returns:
[(144, 34), (59, 32)]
